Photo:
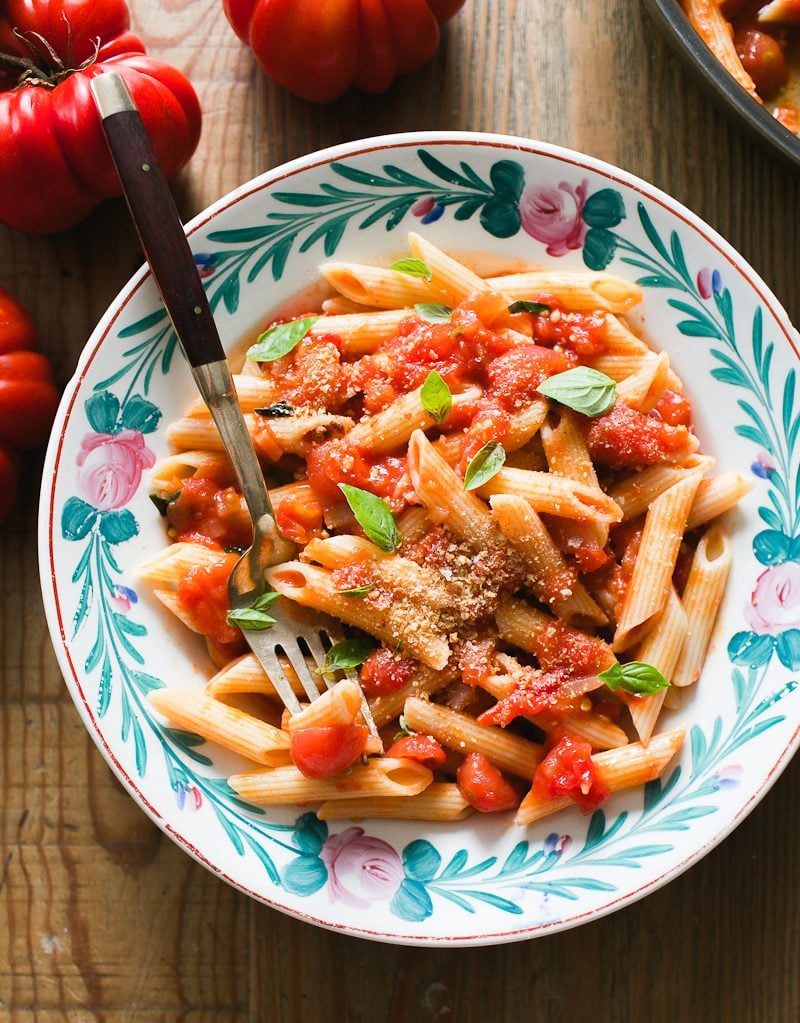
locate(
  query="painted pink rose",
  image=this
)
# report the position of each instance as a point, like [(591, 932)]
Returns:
[(361, 869), (111, 467), (553, 215), (775, 603)]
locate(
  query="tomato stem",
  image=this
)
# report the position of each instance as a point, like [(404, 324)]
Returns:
[(47, 69)]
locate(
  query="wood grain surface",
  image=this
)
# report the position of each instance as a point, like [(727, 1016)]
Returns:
[(101, 916)]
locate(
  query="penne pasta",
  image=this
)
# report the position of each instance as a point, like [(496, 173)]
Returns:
[(376, 286), (440, 801), (702, 597), (579, 292), (661, 648)]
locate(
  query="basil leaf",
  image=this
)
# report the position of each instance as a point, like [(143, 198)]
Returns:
[(279, 410), (162, 503), (358, 592), (254, 618), (436, 397), (582, 389), (280, 340), (374, 516), (634, 677), (412, 267), (485, 464), (405, 732), (534, 308), (434, 312), (350, 653)]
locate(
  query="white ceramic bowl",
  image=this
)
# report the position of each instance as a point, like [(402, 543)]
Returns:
[(481, 880)]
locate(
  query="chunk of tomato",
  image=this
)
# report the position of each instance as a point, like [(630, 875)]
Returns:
[(484, 787), (383, 673), (568, 770), (327, 751), (422, 748)]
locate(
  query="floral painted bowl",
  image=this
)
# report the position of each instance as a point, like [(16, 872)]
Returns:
[(482, 880)]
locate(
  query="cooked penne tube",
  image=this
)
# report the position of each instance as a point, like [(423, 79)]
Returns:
[(389, 706), (701, 599), (442, 492), (577, 291), (529, 628), (598, 731), (376, 286), (637, 492), (549, 576), (360, 333), (177, 467), (337, 706), (661, 649), (313, 587), (450, 280), (224, 725), (619, 338), (716, 495), (648, 588), (245, 675), (618, 769), (391, 428), (252, 391), (643, 390), (464, 735), (292, 434), (286, 785), (554, 495), (440, 801), (710, 23), (172, 563), (622, 365)]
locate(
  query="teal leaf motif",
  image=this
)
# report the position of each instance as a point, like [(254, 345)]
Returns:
[(140, 414), (604, 209), (102, 411), (500, 218), (772, 547), (146, 322), (411, 901), (187, 741), (750, 649), (305, 875), (421, 860), (310, 833), (77, 519), (787, 647), (508, 179), (118, 526), (599, 247)]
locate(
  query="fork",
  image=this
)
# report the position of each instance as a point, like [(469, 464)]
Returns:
[(175, 273)]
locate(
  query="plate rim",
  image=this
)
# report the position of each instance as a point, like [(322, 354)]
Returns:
[(55, 620)]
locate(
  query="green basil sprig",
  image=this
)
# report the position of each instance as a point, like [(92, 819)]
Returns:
[(412, 267), (436, 397), (280, 339), (280, 410), (374, 516), (162, 503), (635, 677), (534, 308), (254, 618), (434, 312), (485, 464), (350, 653), (583, 389)]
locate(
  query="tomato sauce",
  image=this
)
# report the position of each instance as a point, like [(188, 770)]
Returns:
[(568, 770), (203, 595), (561, 648), (338, 461), (210, 512), (624, 437), (580, 333), (383, 673)]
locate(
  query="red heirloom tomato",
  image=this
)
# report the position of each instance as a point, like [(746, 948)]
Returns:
[(317, 49), (28, 394), (54, 162)]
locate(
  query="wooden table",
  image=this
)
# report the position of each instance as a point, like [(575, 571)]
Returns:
[(103, 918)]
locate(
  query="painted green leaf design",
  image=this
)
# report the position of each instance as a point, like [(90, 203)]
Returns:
[(118, 526), (604, 209), (77, 519), (102, 411), (599, 247)]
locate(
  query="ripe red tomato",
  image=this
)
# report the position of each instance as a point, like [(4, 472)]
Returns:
[(54, 162), (484, 787), (326, 752), (9, 475), (422, 748), (317, 49)]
